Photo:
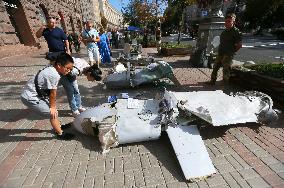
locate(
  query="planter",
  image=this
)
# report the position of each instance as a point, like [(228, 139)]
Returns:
[(176, 51), (250, 79)]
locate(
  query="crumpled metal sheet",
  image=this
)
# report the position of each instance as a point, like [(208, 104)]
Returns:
[(219, 108), (138, 124), (93, 115), (191, 152)]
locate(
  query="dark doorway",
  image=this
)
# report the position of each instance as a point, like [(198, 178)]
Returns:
[(19, 21)]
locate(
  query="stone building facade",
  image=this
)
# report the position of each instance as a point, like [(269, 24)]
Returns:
[(91, 11), (113, 16), (20, 19)]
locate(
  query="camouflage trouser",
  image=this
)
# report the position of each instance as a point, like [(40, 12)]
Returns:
[(224, 61)]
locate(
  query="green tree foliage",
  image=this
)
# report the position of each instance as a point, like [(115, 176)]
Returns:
[(173, 14), (264, 13), (104, 21), (138, 13)]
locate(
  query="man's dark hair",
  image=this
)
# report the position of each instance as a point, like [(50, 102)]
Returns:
[(63, 59), (95, 72)]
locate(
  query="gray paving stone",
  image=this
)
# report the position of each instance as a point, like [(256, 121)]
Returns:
[(14, 183), (281, 174), (115, 177), (241, 161), (109, 168), (118, 164), (32, 186), (239, 179), (129, 180), (234, 162), (277, 167), (192, 185), (132, 164), (230, 180), (89, 182), (145, 162), (202, 184), (216, 180), (153, 171), (153, 180), (58, 168), (153, 160), (269, 160), (177, 185), (257, 183), (248, 173), (219, 160), (20, 173), (261, 153), (32, 176), (99, 182), (42, 175), (225, 168), (58, 177), (72, 171), (139, 179), (114, 185)]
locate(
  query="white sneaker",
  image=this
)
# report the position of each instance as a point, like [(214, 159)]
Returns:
[(75, 113), (82, 109)]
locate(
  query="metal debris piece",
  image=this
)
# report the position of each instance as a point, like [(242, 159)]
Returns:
[(151, 73), (191, 152), (218, 108), (138, 124)]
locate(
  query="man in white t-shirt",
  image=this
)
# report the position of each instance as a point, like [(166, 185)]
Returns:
[(91, 37), (39, 94)]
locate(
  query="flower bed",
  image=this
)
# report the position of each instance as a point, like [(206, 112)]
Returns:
[(268, 78), (176, 49)]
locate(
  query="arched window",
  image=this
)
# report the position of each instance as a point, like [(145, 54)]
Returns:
[(43, 14)]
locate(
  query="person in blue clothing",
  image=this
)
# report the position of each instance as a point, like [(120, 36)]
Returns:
[(55, 37), (104, 47)]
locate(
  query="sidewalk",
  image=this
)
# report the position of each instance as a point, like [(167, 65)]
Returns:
[(246, 155)]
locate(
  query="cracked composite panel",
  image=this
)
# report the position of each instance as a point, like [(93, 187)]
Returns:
[(218, 108)]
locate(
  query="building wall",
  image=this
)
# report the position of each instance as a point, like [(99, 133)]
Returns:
[(113, 16), (30, 16), (91, 11)]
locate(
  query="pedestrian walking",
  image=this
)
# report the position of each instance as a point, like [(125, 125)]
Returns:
[(39, 93), (230, 43), (109, 35), (91, 38), (70, 40), (104, 47), (55, 37), (77, 42)]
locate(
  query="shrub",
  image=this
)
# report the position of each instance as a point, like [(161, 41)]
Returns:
[(175, 45), (272, 70)]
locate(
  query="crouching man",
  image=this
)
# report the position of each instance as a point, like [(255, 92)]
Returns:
[(39, 94)]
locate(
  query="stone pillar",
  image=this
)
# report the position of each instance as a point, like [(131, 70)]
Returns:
[(209, 28)]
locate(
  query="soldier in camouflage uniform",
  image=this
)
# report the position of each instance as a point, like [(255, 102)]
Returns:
[(230, 42)]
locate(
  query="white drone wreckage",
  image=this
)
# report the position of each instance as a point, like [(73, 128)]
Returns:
[(133, 120)]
